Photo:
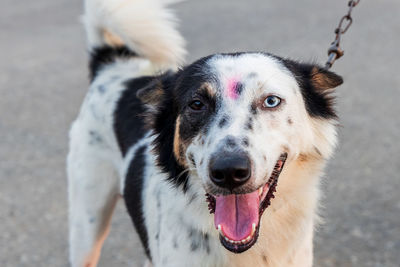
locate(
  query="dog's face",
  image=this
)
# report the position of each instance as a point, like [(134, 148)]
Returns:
[(232, 121)]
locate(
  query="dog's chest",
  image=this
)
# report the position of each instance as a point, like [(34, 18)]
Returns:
[(181, 231)]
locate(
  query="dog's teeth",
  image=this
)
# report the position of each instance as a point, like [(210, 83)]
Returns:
[(260, 191), (253, 230)]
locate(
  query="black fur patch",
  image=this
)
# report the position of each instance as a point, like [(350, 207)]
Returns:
[(95, 138), (249, 124), (129, 126), (253, 108), (133, 196), (191, 158), (199, 240), (319, 101), (193, 122), (230, 142), (223, 122), (239, 88), (104, 55), (245, 141)]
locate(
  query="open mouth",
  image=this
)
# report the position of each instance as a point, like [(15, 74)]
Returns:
[(237, 216)]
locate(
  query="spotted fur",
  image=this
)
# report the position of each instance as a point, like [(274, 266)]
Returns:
[(141, 133)]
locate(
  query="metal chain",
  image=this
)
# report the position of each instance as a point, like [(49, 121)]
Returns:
[(334, 51)]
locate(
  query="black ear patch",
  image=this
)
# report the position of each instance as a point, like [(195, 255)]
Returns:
[(153, 93), (162, 120), (315, 84)]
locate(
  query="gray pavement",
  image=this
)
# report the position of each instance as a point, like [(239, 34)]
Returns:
[(43, 78)]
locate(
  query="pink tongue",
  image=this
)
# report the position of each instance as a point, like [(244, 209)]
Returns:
[(236, 214)]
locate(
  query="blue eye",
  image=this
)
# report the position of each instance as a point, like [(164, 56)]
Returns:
[(271, 101)]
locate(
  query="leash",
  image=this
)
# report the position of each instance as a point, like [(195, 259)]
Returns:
[(335, 51)]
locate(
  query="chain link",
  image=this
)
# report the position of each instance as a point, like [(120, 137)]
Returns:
[(334, 51)]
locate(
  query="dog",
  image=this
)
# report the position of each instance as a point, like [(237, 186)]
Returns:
[(218, 162)]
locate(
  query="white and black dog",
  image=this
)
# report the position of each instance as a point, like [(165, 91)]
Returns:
[(218, 162)]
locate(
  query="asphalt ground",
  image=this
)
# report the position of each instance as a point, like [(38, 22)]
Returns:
[(43, 79)]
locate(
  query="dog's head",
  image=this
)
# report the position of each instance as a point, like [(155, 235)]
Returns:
[(232, 121)]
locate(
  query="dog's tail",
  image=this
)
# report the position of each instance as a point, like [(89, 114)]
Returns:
[(144, 27)]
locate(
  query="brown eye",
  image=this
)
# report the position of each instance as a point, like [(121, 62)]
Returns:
[(197, 105), (271, 101)]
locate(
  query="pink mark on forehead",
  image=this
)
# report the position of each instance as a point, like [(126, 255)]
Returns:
[(231, 88)]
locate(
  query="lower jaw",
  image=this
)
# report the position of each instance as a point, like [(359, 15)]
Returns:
[(239, 248)]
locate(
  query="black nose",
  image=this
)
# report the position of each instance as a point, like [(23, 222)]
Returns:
[(230, 171)]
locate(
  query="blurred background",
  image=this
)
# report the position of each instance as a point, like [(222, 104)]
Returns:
[(43, 79)]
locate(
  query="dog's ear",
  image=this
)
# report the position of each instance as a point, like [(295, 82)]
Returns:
[(154, 92), (161, 116), (315, 83), (323, 79)]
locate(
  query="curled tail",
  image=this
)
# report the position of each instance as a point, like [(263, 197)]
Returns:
[(142, 27)]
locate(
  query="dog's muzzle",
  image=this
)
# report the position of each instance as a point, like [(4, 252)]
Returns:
[(237, 215)]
